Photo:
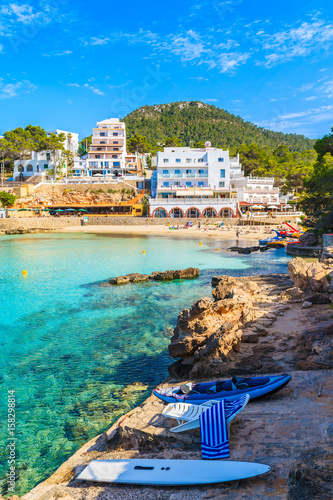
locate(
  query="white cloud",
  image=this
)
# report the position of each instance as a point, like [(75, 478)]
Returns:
[(210, 100), (199, 78), (299, 41), (63, 53), (9, 90), (99, 40), (95, 90), (311, 98)]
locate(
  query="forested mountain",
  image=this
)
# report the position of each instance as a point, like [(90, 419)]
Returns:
[(194, 122)]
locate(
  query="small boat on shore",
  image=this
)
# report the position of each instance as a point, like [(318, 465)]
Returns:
[(230, 390)]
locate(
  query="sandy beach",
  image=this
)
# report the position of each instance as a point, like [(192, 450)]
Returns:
[(246, 233)]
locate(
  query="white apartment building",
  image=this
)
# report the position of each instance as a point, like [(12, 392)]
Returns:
[(107, 156), (44, 161), (256, 191), (192, 182)]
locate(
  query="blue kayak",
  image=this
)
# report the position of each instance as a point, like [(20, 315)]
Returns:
[(198, 394)]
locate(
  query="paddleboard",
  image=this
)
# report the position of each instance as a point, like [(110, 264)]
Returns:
[(169, 472)]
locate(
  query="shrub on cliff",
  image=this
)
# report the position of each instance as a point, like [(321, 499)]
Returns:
[(7, 199)]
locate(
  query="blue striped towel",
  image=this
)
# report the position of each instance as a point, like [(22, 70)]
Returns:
[(214, 432), (233, 407)]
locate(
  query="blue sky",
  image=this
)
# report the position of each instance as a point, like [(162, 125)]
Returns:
[(67, 64)]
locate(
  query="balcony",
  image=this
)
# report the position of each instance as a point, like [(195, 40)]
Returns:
[(182, 176)]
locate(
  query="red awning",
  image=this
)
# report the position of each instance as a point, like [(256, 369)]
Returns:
[(244, 204)]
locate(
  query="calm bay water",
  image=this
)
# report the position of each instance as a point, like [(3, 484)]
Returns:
[(77, 354)]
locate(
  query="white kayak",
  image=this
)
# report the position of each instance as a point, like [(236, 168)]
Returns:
[(169, 472)]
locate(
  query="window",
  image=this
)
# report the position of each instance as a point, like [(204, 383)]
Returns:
[(188, 171), (222, 173), (201, 171), (177, 184), (221, 184), (91, 164), (114, 156), (97, 156), (102, 142), (115, 134), (165, 171), (102, 134), (188, 160), (166, 160), (189, 184), (101, 164), (201, 184), (115, 149), (115, 142), (46, 165), (178, 160), (116, 163), (165, 184), (200, 160), (221, 159), (177, 171), (48, 156), (99, 149), (106, 163), (37, 168)]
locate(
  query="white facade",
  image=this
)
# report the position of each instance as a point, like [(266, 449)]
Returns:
[(192, 182), (44, 161), (107, 155), (256, 190), (107, 151), (71, 142)]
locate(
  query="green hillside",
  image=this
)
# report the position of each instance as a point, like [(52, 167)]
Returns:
[(193, 122)]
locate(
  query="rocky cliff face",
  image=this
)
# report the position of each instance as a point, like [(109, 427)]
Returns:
[(238, 331)]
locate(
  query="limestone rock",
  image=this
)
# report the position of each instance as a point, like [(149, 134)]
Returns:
[(292, 294), (297, 269), (311, 276), (308, 239), (306, 304)]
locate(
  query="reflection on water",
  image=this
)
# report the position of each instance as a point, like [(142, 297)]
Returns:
[(78, 354)]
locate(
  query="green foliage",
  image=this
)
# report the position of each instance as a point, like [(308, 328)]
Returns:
[(195, 123), (112, 191), (100, 190), (172, 142), (318, 199), (138, 144), (7, 199), (84, 145), (20, 142)]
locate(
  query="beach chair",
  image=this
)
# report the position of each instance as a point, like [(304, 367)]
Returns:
[(187, 415)]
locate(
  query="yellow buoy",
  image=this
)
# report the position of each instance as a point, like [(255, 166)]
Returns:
[(24, 272), (143, 251), (200, 243)]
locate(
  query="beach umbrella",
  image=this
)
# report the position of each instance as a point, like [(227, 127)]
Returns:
[(24, 209), (273, 207), (70, 210), (258, 206), (58, 210), (82, 210)]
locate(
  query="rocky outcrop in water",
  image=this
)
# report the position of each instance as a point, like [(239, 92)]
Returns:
[(180, 274)]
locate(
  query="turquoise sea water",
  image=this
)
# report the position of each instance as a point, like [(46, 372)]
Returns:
[(77, 354)]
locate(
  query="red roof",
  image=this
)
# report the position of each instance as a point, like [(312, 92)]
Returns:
[(244, 204)]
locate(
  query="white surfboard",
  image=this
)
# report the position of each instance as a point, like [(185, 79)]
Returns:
[(169, 472)]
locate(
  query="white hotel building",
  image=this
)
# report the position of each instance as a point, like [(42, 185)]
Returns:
[(40, 163), (207, 183), (107, 156)]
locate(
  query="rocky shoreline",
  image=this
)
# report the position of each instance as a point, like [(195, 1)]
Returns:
[(179, 274), (254, 325)]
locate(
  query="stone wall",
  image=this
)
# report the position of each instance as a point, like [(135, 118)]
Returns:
[(52, 223), (296, 250), (48, 223)]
